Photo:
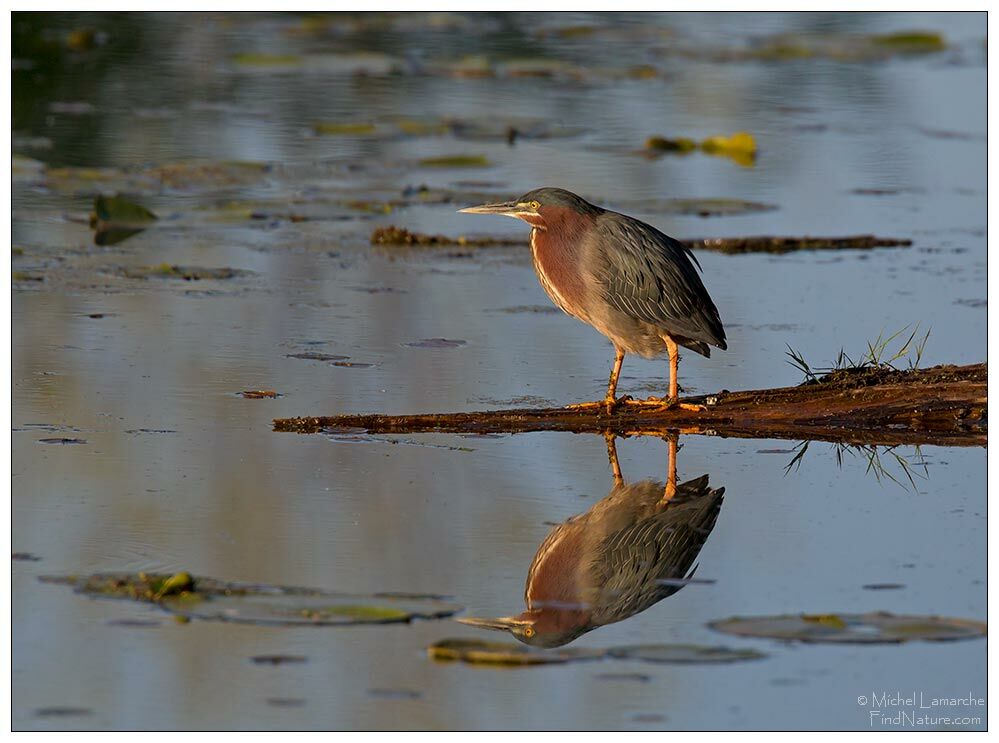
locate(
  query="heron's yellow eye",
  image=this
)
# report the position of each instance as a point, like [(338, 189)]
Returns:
[(529, 631), (534, 205)]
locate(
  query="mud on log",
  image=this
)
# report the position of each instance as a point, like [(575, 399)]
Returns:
[(945, 405)]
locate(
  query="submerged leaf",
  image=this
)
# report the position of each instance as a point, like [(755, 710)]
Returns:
[(206, 598), (685, 653), (874, 627)]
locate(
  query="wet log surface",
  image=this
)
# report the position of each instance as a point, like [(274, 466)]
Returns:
[(945, 405)]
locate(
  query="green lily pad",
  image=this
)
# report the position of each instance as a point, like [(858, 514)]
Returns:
[(504, 653), (718, 207), (684, 653), (190, 597), (666, 144), (115, 218), (299, 610), (874, 627), (912, 42), (456, 161)]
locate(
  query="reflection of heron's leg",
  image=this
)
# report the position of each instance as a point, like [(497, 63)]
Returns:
[(670, 489), (612, 457)]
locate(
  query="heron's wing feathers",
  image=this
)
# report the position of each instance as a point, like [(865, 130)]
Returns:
[(633, 561), (651, 277)]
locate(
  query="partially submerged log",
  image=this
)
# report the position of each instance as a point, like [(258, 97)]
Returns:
[(399, 236), (945, 405), (767, 244)]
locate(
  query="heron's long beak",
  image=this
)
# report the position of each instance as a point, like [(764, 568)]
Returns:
[(505, 209), (503, 624)]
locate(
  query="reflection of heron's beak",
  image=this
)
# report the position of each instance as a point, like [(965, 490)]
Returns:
[(505, 209), (504, 624)]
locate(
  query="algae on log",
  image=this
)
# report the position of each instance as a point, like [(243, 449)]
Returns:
[(945, 405)]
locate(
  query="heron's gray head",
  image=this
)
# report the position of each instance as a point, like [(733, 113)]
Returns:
[(540, 206)]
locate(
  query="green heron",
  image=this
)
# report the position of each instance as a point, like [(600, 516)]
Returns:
[(631, 549), (627, 279)]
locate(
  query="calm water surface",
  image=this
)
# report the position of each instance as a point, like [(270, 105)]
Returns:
[(177, 472)]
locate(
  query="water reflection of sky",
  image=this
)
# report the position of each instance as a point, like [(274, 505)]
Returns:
[(223, 496)]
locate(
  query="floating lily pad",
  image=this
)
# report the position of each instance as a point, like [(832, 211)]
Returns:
[(503, 653), (21, 277), (260, 394), (874, 627), (187, 273), (665, 144), (288, 702), (456, 161), (437, 343), (394, 694), (639, 678), (115, 218), (277, 660), (717, 207), (740, 147), (190, 597), (63, 441), (315, 356), (344, 128), (911, 42), (63, 712), (685, 653)]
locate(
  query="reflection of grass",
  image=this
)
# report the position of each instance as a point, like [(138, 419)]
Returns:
[(909, 467), (876, 356)]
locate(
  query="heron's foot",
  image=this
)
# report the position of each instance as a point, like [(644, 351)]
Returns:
[(611, 403), (608, 404), (671, 402)]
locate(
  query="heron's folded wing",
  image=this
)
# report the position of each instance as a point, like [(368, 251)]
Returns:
[(651, 277)]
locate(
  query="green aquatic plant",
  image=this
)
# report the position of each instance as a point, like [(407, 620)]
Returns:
[(876, 356)]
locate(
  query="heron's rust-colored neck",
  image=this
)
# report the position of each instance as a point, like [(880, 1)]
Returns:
[(557, 249)]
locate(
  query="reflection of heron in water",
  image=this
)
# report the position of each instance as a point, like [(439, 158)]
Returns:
[(631, 549)]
